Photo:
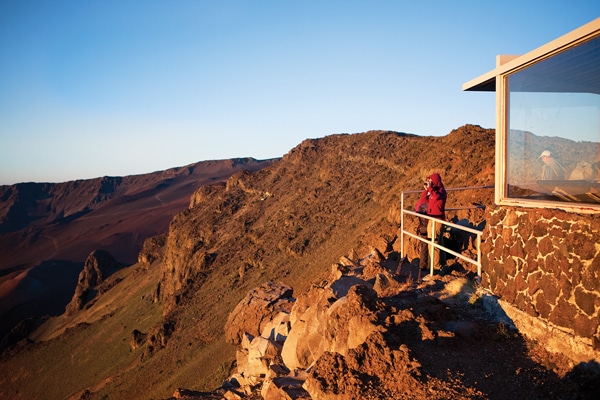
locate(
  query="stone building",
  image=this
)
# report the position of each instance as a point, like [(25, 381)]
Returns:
[(541, 243)]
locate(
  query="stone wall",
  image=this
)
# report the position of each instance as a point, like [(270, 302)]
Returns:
[(546, 263)]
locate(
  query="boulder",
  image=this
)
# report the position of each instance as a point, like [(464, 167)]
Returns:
[(256, 311), (284, 388), (137, 339), (341, 286), (261, 354), (386, 285), (330, 326), (278, 328)]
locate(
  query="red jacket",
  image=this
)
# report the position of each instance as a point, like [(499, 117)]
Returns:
[(435, 197)]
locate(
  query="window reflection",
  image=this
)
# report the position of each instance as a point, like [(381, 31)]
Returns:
[(553, 142)]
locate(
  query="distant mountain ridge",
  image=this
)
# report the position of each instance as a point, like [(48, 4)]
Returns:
[(34, 206), (32, 203)]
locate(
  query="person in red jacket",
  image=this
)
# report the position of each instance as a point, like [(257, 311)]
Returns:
[(433, 199)]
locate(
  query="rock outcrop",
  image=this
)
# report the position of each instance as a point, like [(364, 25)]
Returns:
[(152, 250), (254, 315), (98, 266), (327, 344)]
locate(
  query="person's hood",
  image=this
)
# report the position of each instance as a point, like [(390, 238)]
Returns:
[(436, 179)]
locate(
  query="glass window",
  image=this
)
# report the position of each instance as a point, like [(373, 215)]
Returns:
[(553, 135)]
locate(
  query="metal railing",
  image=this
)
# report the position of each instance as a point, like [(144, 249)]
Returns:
[(434, 221)]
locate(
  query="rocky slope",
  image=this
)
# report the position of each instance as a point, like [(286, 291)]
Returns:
[(341, 191), (47, 230), (160, 326), (369, 333)]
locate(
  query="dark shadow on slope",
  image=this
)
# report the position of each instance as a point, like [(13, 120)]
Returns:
[(482, 350), (45, 291)]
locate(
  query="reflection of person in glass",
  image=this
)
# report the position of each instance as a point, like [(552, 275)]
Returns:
[(553, 170)]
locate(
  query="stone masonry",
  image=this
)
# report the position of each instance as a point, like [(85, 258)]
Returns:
[(546, 264)]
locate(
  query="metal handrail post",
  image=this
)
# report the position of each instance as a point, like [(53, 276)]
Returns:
[(431, 248), (479, 256), (402, 225)]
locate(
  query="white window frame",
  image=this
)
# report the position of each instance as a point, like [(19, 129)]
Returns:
[(497, 80)]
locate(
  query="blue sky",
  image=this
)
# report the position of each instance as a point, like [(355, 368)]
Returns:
[(94, 88)]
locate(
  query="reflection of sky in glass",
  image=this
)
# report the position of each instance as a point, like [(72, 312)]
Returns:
[(574, 116)]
